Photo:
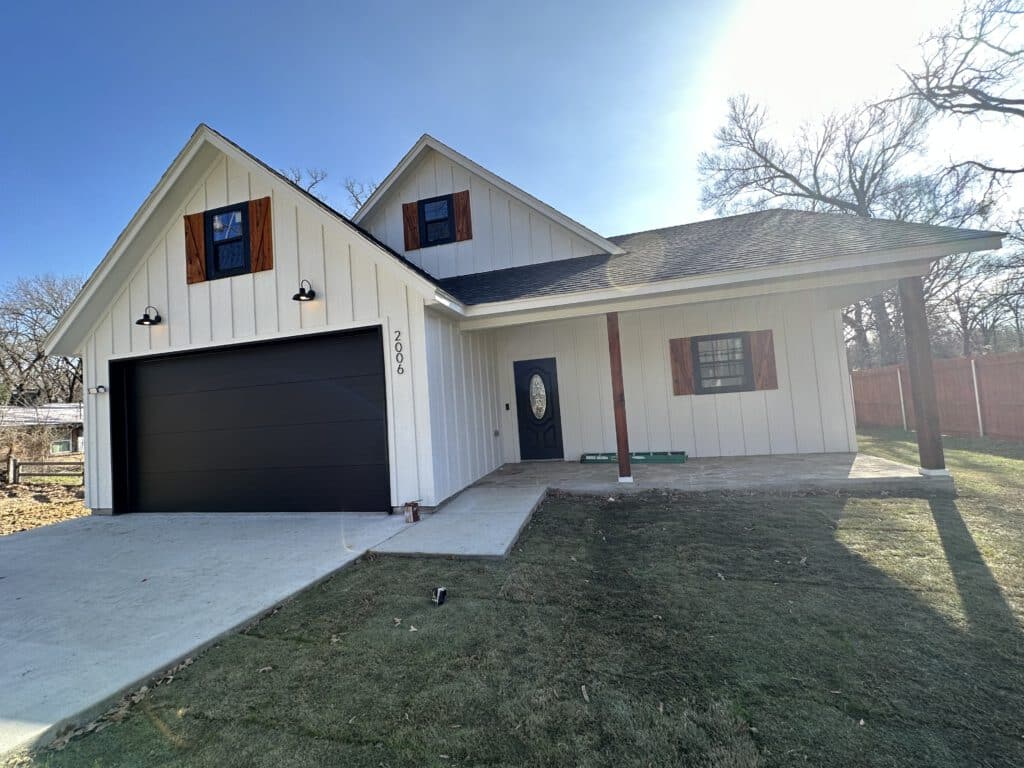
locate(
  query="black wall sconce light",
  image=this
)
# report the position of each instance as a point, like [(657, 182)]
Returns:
[(148, 319), (306, 292)]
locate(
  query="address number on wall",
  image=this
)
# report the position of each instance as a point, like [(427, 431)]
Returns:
[(399, 348)]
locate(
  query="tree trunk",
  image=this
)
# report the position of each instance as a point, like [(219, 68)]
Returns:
[(883, 325)]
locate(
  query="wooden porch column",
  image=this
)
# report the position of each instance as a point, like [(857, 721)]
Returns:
[(618, 398), (922, 377)]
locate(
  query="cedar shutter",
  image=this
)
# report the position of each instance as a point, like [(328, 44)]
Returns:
[(463, 221), (261, 238), (411, 225), (681, 356), (762, 356), (195, 248)]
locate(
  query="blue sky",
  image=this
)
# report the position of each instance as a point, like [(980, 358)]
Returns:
[(600, 113)]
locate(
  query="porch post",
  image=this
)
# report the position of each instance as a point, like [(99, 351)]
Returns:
[(922, 377), (618, 398)]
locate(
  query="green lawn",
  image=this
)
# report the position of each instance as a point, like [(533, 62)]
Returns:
[(708, 630)]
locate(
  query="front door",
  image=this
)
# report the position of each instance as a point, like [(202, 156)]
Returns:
[(540, 422)]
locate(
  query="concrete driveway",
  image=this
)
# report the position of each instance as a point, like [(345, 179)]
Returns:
[(95, 605)]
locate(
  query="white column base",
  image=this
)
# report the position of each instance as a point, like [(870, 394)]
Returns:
[(933, 472), (626, 479)]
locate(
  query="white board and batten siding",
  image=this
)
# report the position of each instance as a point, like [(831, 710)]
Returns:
[(464, 422), (506, 233), (810, 412), (357, 285)]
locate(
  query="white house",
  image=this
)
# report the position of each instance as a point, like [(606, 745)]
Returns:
[(246, 347)]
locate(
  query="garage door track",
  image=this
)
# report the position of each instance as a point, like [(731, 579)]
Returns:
[(93, 606)]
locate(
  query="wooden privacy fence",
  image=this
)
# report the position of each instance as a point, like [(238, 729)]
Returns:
[(977, 396), (16, 470)]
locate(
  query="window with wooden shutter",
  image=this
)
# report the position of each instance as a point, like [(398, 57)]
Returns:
[(232, 240), (725, 362), (437, 221)]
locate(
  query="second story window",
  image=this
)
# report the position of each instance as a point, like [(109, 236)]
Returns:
[(227, 241), (437, 221)]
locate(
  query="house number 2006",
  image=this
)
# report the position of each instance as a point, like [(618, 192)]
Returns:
[(399, 354)]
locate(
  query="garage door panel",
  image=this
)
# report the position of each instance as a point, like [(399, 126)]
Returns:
[(301, 490), (305, 402), (296, 424), (289, 445), (277, 363)]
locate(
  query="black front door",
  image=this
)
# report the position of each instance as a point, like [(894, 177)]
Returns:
[(540, 422)]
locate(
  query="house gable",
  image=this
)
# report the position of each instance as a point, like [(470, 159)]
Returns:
[(148, 264), (501, 227)]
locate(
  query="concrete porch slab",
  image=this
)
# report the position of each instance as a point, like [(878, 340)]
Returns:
[(783, 473), (92, 607), (482, 521)]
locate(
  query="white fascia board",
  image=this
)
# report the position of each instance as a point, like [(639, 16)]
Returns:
[(844, 270), (58, 341), (427, 141), (68, 335)]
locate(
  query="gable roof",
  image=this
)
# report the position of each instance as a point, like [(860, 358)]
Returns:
[(427, 142), (762, 239), (111, 273)]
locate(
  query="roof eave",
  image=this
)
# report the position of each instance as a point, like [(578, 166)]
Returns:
[(426, 141), (59, 341), (68, 336), (919, 256)]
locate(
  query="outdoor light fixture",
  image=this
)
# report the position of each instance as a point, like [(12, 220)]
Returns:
[(148, 319), (306, 292)]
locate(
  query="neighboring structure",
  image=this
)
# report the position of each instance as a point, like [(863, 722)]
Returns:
[(247, 347), (61, 421)]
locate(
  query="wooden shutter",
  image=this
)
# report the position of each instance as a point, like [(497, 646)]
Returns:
[(261, 235), (195, 248), (411, 225), (463, 220), (762, 356), (681, 356)]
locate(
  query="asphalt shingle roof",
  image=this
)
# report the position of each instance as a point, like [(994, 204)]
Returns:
[(762, 239)]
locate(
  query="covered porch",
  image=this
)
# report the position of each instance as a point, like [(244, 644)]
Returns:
[(618, 385)]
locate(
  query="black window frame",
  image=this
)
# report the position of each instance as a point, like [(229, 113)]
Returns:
[(212, 273), (748, 384), (421, 206)]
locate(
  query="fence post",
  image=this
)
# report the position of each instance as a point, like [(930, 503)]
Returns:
[(12, 471), (903, 407), (977, 398)]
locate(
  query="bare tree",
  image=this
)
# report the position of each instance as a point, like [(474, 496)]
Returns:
[(866, 162), (29, 310), (359, 192), (973, 68), (307, 179)]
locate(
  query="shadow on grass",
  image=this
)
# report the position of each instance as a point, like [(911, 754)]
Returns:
[(984, 604), (712, 630)]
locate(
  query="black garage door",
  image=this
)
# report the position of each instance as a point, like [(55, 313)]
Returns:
[(296, 425)]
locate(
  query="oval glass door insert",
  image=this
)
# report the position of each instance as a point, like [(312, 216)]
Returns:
[(538, 397)]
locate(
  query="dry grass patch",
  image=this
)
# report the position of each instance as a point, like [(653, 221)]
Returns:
[(31, 505)]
